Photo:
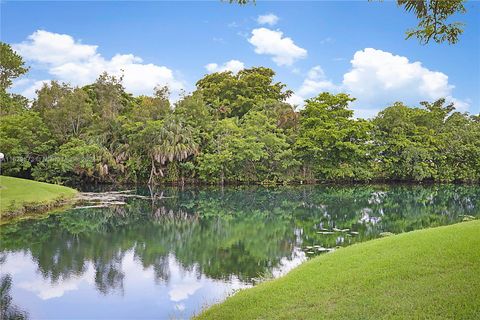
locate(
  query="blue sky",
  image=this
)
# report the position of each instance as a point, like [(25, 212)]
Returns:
[(352, 46)]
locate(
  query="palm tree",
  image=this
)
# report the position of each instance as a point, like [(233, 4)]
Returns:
[(173, 141)]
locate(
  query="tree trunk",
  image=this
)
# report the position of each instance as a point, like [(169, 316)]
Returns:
[(152, 173)]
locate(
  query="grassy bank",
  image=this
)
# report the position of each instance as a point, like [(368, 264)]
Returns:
[(425, 274), (20, 196)]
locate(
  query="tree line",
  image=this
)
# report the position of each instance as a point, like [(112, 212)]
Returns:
[(233, 128)]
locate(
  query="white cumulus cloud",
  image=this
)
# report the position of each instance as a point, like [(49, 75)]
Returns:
[(53, 48), (378, 78), (272, 42), (377, 74), (269, 19), (69, 60), (232, 65), (316, 82), (29, 90)]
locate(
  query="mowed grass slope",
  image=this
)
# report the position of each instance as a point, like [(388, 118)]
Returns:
[(425, 274), (15, 193)]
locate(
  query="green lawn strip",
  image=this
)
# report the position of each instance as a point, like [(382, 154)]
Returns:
[(425, 274), (21, 196)]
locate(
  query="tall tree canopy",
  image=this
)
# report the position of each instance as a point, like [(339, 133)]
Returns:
[(229, 94), (12, 65), (330, 142)]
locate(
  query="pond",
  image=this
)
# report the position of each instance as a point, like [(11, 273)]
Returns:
[(173, 255)]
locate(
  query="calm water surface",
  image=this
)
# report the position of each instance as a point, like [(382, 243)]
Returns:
[(172, 256)]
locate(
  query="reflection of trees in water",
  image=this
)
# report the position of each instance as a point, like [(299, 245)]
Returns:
[(161, 269), (215, 248), (393, 208), (108, 274), (8, 310), (235, 231)]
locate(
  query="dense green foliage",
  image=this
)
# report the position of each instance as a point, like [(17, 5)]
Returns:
[(426, 274), (12, 66), (234, 128), (333, 144), (432, 18)]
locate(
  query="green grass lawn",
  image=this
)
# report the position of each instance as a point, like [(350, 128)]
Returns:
[(18, 194), (425, 274)]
